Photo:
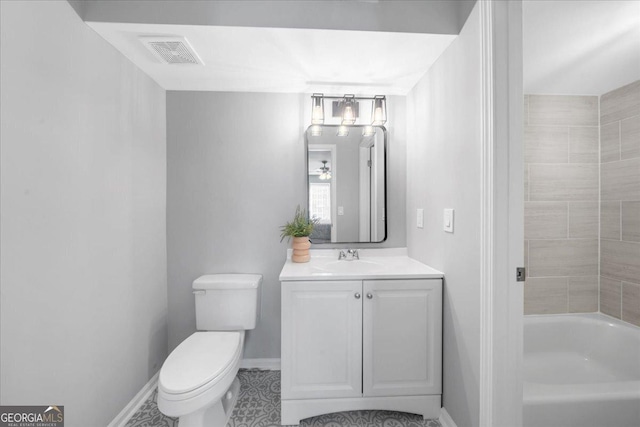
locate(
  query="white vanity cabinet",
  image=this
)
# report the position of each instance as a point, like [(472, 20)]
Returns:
[(361, 344)]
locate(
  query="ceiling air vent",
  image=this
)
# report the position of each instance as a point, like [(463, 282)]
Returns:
[(171, 50)]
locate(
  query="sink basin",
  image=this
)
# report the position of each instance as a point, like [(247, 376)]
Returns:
[(351, 267)]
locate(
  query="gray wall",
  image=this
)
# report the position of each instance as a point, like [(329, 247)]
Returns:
[(83, 279), (443, 171), (236, 171)]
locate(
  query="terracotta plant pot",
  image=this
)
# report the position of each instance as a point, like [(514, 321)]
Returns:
[(300, 247)]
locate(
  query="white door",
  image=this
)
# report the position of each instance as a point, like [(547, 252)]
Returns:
[(402, 337), (321, 339)]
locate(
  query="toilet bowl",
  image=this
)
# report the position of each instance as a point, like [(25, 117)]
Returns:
[(198, 382)]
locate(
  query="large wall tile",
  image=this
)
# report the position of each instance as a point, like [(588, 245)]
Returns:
[(577, 257), (560, 110), (545, 220), (583, 294), (584, 144), (545, 296), (630, 138), (610, 220), (630, 222), (620, 103), (563, 182), (631, 303), (610, 142), (620, 180), (610, 291), (620, 260), (546, 144), (583, 220)]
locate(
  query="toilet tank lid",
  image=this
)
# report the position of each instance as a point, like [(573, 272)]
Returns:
[(228, 281)]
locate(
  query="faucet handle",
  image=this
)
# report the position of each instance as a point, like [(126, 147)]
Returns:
[(354, 253), (342, 255)]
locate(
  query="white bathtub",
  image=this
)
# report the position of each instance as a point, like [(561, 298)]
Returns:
[(581, 370)]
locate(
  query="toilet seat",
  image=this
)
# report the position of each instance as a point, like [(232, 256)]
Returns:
[(199, 363)]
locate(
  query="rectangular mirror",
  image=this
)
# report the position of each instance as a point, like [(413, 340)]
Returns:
[(346, 183)]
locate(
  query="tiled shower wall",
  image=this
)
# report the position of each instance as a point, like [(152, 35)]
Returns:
[(582, 203), (561, 203), (620, 203)]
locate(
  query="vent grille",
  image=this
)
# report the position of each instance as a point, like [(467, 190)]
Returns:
[(171, 50)]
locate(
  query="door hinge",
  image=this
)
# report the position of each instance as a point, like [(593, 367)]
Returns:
[(521, 274)]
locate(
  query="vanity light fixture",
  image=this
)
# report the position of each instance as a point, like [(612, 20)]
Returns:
[(317, 109), (343, 131), (325, 171), (345, 108), (379, 110), (348, 114)]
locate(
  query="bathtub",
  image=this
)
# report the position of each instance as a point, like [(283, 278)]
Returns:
[(581, 370)]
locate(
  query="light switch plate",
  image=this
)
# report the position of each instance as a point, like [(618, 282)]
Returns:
[(448, 220), (340, 210), (420, 218)]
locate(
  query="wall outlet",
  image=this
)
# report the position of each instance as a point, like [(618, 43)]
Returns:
[(420, 218), (448, 220), (340, 210)]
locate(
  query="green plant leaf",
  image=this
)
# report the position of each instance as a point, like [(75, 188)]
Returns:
[(300, 226)]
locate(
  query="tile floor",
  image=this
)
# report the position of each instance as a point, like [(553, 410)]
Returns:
[(259, 406)]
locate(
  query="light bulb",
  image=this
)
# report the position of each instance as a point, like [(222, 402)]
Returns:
[(377, 115), (348, 117), (318, 115)]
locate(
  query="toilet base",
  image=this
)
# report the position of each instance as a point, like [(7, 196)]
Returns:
[(216, 415)]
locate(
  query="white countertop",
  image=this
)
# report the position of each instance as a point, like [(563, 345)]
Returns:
[(373, 264)]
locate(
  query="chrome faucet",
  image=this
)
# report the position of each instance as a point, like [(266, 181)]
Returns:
[(349, 255)]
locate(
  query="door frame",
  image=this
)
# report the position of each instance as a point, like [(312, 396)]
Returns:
[(502, 214)]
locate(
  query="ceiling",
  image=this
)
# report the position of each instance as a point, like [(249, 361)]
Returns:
[(580, 47), (252, 59)]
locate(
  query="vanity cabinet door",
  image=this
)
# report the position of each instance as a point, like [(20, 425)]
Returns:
[(402, 337), (321, 339)]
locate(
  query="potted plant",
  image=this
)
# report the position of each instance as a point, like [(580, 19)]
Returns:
[(299, 229)]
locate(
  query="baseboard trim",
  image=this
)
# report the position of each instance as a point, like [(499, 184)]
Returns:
[(127, 412), (265, 364), (445, 419)]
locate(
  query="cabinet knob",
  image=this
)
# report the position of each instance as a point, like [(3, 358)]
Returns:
[(369, 296), (357, 295)]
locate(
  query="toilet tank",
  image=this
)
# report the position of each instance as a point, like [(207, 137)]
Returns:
[(227, 302)]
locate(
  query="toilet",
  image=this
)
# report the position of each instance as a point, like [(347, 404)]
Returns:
[(198, 382)]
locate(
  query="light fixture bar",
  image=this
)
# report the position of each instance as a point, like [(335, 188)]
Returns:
[(346, 108), (357, 98)]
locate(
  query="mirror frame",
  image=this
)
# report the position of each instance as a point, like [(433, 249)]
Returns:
[(386, 178)]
